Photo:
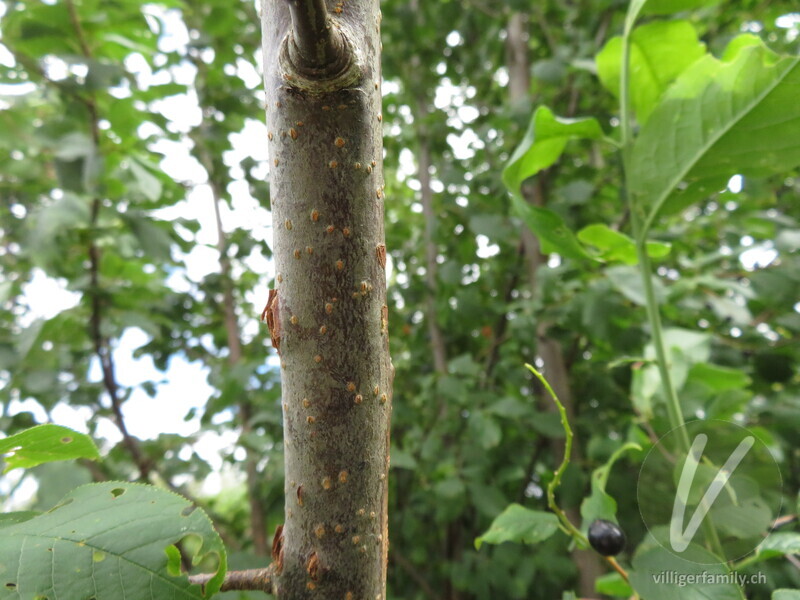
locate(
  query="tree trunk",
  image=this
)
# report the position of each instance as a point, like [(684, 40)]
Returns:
[(328, 315), (548, 349)]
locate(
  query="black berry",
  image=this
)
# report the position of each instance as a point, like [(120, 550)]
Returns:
[(606, 537)]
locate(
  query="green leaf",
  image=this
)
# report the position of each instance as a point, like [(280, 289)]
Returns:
[(600, 505), (46, 443), (660, 51), (628, 282), (402, 459), (684, 349), (717, 378), (450, 488), (543, 143), (73, 146), (48, 223), (154, 240), (658, 574), (519, 524), (667, 7), (548, 424), (615, 246), (786, 594), (144, 180), (20, 516), (612, 584), (777, 544), (718, 119), (495, 227), (549, 228), (108, 541), (485, 430), (28, 337)]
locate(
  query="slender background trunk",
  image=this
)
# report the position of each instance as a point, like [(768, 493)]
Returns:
[(328, 314), (548, 349)]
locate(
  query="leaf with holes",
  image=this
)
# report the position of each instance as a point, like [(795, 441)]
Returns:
[(107, 541), (46, 443)]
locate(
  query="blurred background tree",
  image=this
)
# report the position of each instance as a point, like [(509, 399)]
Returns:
[(135, 259)]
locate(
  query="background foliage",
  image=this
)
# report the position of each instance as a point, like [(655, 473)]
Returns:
[(124, 138)]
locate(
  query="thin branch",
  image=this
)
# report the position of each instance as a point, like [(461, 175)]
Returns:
[(617, 567), (315, 43), (76, 25), (541, 20), (257, 518), (431, 266), (502, 321), (101, 344), (102, 349), (412, 572), (259, 580)]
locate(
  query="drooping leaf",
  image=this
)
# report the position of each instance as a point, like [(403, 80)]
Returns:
[(46, 443), (519, 524), (543, 143), (549, 228), (600, 505), (718, 119), (154, 240), (660, 51), (73, 146), (616, 246), (107, 541)]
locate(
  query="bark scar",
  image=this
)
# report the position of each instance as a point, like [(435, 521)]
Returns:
[(271, 314), (277, 549), (385, 319), (380, 251), (312, 567)]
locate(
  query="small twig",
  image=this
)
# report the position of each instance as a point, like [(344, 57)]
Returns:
[(250, 580), (76, 25), (784, 520), (617, 567)]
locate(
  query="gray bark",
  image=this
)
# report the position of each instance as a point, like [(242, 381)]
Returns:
[(328, 314)]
